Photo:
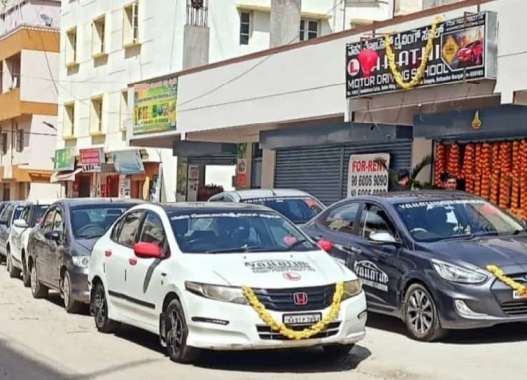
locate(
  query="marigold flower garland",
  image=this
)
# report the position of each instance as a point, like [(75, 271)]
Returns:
[(283, 329), (500, 275), (424, 60)]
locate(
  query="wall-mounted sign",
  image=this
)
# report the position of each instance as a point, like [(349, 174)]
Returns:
[(128, 162), (464, 48), (367, 175), (64, 159), (91, 159), (155, 106)]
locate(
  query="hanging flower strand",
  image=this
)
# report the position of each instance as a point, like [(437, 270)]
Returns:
[(424, 60)]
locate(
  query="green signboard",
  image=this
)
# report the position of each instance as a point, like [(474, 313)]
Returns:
[(64, 159), (155, 106)]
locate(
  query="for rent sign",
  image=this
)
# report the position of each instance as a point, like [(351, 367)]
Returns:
[(367, 174), (464, 48)]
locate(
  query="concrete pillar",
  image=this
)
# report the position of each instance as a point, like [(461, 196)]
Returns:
[(285, 21), (195, 46), (268, 166), (421, 148)]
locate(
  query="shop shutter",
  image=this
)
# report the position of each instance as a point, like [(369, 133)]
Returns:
[(323, 170)]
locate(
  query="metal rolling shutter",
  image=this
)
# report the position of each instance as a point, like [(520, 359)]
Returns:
[(323, 170)]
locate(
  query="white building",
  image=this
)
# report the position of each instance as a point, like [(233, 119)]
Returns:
[(109, 44), (29, 45)]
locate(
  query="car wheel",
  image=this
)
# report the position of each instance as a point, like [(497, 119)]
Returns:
[(337, 350), (70, 304), (37, 289), (13, 272), (99, 308), (26, 278), (177, 333), (421, 315)]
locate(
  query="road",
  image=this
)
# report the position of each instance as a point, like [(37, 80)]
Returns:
[(38, 340)]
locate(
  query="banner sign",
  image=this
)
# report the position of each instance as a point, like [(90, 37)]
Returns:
[(366, 175), (64, 159), (128, 162), (155, 106), (91, 159), (465, 48)]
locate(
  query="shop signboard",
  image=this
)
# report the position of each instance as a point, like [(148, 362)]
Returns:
[(155, 106), (91, 159), (368, 174), (464, 48), (64, 159), (128, 162)]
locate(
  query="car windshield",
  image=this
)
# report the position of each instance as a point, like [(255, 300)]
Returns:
[(449, 219), (298, 210), (237, 232), (89, 222)]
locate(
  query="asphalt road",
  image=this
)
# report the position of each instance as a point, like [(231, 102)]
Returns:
[(38, 340)]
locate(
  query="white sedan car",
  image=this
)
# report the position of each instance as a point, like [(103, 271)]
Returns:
[(223, 277)]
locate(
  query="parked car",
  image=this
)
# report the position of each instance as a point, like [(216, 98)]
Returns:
[(10, 212), (299, 206), (178, 271), (60, 245), (422, 257), (30, 215)]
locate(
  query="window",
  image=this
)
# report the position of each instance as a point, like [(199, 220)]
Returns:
[(69, 120), (71, 47), (124, 111), (25, 214), (342, 219), (58, 223), (153, 231), (131, 24), (309, 29), (20, 140), (374, 220), (245, 27), (96, 115), (93, 221), (47, 224), (99, 36), (3, 141), (129, 229)]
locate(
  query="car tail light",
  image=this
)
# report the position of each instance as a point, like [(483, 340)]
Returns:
[(326, 245)]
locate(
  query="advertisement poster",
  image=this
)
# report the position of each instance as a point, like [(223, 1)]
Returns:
[(464, 48), (91, 159), (125, 187), (193, 183), (155, 106), (366, 175), (241, 172), (182, 172), (64, 159), (128, 162)]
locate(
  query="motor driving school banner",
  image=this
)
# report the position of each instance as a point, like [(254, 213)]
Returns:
[(464, 48), (368, 174), (155, 106)]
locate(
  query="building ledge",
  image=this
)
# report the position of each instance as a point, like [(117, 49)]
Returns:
[(267, 9), (11, 106)]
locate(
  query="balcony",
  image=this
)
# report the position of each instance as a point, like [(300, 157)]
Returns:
[(11, 106)]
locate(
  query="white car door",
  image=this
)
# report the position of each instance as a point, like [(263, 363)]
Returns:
[(16, 236), (146, 276)]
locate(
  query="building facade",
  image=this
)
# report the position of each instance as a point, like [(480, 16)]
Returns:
[(29, 55)]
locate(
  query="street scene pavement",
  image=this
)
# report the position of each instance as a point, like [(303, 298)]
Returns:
[(38, 340)]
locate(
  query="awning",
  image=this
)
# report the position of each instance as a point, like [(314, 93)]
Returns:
[(65, 176)]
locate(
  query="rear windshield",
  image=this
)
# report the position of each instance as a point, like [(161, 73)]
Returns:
[(89, 222), (236, 232), (299, 210)]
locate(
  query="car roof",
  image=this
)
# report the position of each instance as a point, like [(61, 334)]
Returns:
[(241, 195), (73, 202), (204, 207), (416, 196)]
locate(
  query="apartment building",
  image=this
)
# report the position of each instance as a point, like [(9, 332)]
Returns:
[(29, 55)]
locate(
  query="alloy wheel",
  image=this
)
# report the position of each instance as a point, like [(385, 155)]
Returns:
[(66, 290), (420, 312), (175, 335), (100, 310), (33, 279)]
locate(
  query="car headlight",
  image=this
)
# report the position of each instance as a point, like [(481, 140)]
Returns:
[(217, 292), (455, 273), (81, 261), (352, 288)]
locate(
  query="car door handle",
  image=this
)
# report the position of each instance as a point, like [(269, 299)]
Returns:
[(132, 261), (108, 253)]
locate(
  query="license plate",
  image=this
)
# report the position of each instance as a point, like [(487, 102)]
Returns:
[(516, 295), (301, 319)]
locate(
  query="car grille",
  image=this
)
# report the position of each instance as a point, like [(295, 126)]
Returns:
[(266, 333), (518, 307), (319, 297)]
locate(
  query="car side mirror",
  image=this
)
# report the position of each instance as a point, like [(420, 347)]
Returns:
[(53, 235), (383, 238), (20, 223), (326, 245), (148, 251)]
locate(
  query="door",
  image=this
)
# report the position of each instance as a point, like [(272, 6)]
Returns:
[(378, 265), (117, 261), (16, 235), (146, 276), (40, 247), (5, 223), (56, 247)]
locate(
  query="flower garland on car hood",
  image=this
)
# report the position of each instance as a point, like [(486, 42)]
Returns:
[(424, 59), (500, 275), (308, 332)]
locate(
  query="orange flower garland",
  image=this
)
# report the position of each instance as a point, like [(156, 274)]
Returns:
[(516, 170), (523, 178), (477, 176), (504, 196), (453, 160), (439, 164), (495, 177), (468, 168), (485, 171)]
